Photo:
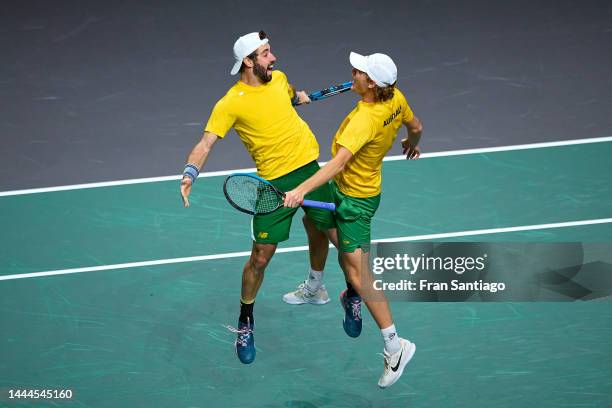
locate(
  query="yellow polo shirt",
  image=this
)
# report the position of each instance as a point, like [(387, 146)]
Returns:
[(368, 132), (277, 139)]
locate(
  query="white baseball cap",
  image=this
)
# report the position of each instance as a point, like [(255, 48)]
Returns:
[(379, 67), (243, 47)]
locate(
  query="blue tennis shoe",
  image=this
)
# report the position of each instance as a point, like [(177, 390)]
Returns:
[(352, 314), (245, 342)]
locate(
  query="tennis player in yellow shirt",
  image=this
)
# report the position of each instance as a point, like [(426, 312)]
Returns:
[(358, 148), (259, 107)]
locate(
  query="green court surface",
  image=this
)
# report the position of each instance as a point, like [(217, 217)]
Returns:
[(154, 336)]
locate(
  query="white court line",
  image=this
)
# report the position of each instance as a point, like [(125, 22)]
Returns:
[(559, 143), (252, 170), (304, 248)]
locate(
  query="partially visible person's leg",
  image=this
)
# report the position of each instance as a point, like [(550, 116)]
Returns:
[(354, 216), (253, 271), (397, 351), (312, 290), (352, 265), (318, 244), (320, 226), (252, 277), (267, 231)]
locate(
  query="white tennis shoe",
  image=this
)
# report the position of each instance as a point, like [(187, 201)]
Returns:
[(395, 363), (303, 295)]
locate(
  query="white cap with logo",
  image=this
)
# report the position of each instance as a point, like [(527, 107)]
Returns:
[(244, 46), (379, 67)]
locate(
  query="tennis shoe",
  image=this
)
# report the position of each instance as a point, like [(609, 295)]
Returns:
[(395, 363), (245, 342), (304, 295), (352, 314)]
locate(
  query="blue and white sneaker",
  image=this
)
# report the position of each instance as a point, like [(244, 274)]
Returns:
[(245, 342), (352, 314)]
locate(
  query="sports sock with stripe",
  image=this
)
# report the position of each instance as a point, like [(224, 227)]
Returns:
[(392, 343)]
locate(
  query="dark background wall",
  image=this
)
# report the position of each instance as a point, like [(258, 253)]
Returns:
[(104, 90)]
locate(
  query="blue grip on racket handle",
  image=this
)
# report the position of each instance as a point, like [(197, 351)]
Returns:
[(320, 204)]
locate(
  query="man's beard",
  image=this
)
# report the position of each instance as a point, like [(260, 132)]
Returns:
[(262, 73)]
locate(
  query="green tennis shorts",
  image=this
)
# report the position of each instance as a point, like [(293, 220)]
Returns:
[(354, 220), (274, 227)]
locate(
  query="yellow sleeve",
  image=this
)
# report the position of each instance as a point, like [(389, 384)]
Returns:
[(221, 119), (357, 133), (292, 92), (284, 82), (408, 115)]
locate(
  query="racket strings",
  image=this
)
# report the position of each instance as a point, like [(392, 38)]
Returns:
[(267, 199), (252, 195)]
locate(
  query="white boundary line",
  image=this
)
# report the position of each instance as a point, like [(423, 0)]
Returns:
[(252, 170), (304, 248)]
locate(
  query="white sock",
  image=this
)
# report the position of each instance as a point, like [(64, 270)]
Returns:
[(392, 343), (314, 281)]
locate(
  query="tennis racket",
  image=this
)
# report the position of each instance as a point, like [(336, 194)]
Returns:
[(331, 91), (254, 195)]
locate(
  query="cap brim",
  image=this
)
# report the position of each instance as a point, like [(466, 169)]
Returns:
[(236, 67), (358, 61)]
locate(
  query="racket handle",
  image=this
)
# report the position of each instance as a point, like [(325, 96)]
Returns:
[(320, 204)]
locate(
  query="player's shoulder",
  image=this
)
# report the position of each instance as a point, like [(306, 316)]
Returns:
[(399, 95), (364, 116), (230, 96), (278, 73), (279, 76)]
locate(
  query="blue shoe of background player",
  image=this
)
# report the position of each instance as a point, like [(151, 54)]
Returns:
[(352, 314), (245, 342)]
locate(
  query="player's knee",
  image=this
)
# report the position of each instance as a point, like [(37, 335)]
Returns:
[(260, 260), (259, 263)]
